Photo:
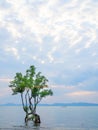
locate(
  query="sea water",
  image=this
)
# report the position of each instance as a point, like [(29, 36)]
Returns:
[(52, 118)]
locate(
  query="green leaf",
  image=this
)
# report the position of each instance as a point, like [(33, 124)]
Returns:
[(45, 93)]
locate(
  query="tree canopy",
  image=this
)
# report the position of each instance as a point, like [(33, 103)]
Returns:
[(32, 87)]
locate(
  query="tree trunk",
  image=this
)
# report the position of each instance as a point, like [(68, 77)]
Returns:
[(34, 117), (37, 119)]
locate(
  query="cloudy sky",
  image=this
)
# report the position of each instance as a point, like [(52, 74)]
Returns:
[(59, 37)]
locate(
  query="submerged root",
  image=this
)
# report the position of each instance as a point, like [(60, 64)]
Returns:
[(34, 117), (37, 119)]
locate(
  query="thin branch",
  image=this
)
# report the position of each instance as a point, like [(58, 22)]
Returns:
[(26, 98), (22, 100)]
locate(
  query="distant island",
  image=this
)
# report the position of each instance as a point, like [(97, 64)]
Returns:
[(56, 104)]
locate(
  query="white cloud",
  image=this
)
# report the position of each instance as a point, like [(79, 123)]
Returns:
[(51, 59), (94, 54), (14, 51), (5, 79), (42, 62), (59, 37), (4, 92), (82, 96), (13, 29), (81, 93), (50, 18)]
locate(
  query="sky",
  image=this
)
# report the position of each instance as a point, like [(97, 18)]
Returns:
[(58, 37)]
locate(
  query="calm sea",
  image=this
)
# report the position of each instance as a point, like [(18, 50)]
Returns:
[(52, 118)]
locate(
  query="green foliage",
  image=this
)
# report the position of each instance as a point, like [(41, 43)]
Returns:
[(45, 93), (32, 85), (35, 92), (40, 80), (18, 84)]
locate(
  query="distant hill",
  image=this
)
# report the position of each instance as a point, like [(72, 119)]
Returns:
[(56, 104), (75, 104), (10, 104)]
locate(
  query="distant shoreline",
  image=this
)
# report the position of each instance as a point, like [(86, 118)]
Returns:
[(56, 104)]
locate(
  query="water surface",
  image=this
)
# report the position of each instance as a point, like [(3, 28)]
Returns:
[(52, 118)]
